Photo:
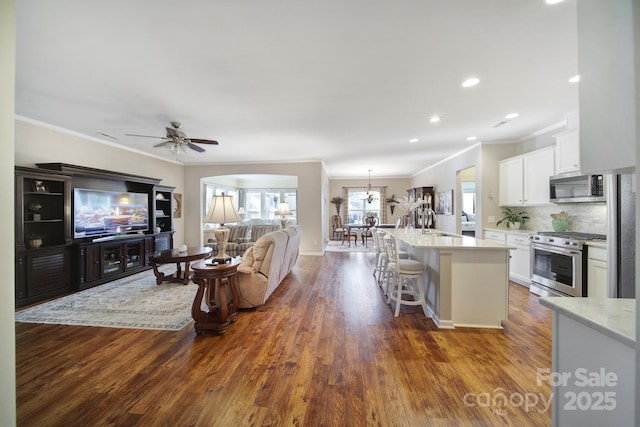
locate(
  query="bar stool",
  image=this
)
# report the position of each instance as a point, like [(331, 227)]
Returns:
[(384, 278), (380, 268), (406, 279)]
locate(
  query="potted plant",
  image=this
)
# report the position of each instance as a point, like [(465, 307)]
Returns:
[(513, 219), (392, 202), (34, 240), (338, 201)]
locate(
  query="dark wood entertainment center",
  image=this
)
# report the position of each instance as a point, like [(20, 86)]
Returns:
[(50, 261)]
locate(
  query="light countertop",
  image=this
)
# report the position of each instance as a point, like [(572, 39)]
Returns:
[(511, 231), (614, 317), (436, 239), (597, 243)]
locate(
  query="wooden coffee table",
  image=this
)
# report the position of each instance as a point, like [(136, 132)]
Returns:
[(212, 281), (174, 255)]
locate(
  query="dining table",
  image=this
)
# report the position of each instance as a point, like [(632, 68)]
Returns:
[(360, 230)]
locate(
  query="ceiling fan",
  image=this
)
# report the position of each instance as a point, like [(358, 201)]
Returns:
[(176, 140)]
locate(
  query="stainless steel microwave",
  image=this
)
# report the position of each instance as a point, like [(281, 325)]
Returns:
[(577, 188)]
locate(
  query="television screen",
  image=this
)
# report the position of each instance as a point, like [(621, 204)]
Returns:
[(98, 213)]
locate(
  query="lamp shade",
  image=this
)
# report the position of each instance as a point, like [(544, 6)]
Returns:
[(222, 210), (283, 209)]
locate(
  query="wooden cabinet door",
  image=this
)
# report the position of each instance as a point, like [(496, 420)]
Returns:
[(90, 259)]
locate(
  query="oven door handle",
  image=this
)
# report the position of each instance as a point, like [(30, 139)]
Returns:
[(554, 249)]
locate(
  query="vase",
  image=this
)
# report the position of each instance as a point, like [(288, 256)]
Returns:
[(514, 225), (560, 225), (34, 243)]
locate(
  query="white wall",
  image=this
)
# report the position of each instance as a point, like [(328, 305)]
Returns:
[(7, 292), (36, 143), (443, 177), (607, 84)]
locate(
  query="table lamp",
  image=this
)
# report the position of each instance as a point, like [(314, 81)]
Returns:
[(283, 209), (222, 210)]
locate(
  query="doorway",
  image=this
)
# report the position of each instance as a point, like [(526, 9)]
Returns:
[(466, 179)]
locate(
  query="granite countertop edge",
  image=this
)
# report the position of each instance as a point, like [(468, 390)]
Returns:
[(614, 317)]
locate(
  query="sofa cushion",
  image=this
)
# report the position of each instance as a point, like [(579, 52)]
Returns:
[(257, 231), (246, 265), (238, 233), (259, 251)]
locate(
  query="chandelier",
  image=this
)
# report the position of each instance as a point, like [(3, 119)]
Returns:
[(369, 196)]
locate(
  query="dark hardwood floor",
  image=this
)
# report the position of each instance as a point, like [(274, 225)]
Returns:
[(324, 351)]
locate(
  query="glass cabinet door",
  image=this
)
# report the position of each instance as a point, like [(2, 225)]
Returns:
[(111, 259), (134, 254)]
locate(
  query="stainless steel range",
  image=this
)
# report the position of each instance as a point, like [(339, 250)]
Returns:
[(559, 263)]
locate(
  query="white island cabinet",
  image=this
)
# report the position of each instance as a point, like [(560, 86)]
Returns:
[(466, 280), (592, 371)]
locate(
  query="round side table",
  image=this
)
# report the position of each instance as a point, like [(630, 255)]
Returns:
[(212, 281)]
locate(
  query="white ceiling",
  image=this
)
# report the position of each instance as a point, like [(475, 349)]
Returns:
[(348, 82)]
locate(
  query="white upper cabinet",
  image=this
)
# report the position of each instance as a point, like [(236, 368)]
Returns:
[(568, 152), (511, 182), (524, 180)]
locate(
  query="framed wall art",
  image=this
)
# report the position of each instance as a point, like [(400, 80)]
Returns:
[(444, 202)]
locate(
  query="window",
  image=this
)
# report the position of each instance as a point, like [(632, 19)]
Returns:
[(257, 203), (358, 207), (264, 203), (469, 198), (211, 190)]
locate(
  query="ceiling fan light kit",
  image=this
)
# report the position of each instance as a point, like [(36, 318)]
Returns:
[(177, 141)]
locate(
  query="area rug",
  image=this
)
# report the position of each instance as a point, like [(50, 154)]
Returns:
[(133, 302), (337, 246)]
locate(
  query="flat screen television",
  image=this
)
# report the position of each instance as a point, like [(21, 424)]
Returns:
[(102, 213)]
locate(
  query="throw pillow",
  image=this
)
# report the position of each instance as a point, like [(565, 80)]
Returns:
[(259, 251), (246, 265)]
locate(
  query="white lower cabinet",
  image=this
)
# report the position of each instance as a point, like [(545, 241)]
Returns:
[(495, 236), (519, 269), (520, 258), (597, 272)]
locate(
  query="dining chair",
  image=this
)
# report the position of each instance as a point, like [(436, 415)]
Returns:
[(338, 228), (371, 222), (346, 235), (405, 279)]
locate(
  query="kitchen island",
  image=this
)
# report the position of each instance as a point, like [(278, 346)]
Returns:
[(592, 361), (466, 280)]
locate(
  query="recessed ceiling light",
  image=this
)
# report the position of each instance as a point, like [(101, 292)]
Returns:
[(511, 116), (434, 119), (470, 82), (552, 1), (575, 79), (472, 138), (413, 140)]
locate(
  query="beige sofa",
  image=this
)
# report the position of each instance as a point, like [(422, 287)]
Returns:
[(266, 263)]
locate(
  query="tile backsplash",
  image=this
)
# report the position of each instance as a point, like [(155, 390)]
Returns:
[(583, 217)]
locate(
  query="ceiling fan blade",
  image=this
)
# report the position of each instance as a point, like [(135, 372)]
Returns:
[(172, 133), (145, 136), (203, 141), (195, 147), (162, 144)]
